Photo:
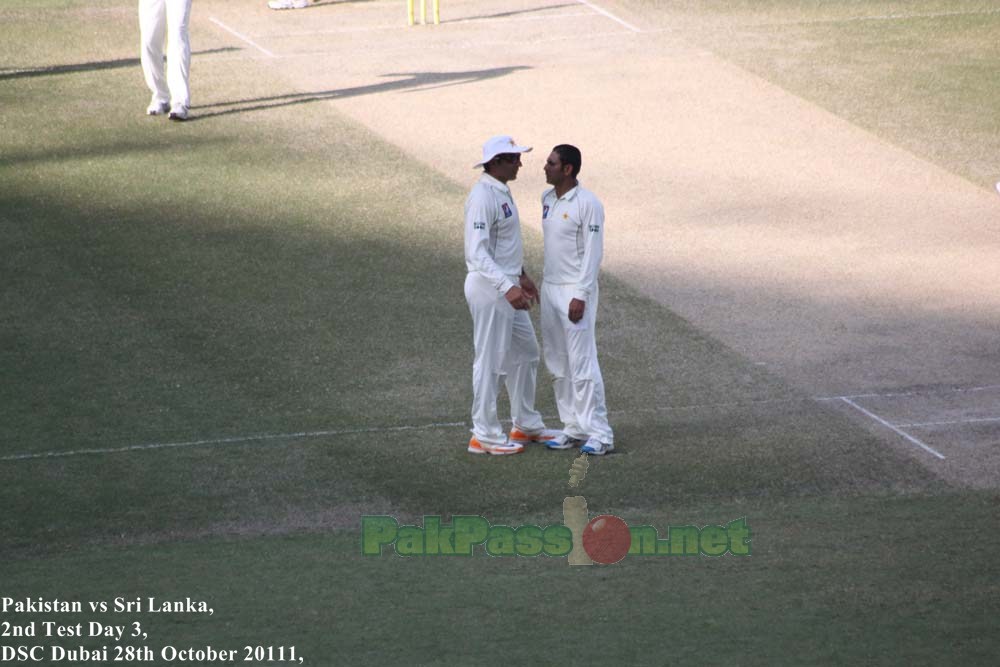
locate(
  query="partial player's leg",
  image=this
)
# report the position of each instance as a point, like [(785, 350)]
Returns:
[(554, 308), (179, 57), (588, 384), (152, 32), (492, 319), (522, 375)]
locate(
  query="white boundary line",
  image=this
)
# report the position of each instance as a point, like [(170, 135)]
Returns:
[(241, 36), (608, 14), (895, 429)]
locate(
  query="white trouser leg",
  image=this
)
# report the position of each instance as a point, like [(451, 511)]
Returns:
[(179, 51), (571, 357), (492, 324), (152, 30), (521, 368), (557, 360)]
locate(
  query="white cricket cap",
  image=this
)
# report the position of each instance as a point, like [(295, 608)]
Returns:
[(499, 145)]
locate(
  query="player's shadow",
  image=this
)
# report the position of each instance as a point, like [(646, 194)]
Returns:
[(500, 15), (411, 80), (93, 66), (315, 4)]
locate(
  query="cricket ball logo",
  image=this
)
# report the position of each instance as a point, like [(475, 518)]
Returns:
[(605, 539)]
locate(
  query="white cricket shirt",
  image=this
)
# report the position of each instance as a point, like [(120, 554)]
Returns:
[(493, 244), (573, 229)]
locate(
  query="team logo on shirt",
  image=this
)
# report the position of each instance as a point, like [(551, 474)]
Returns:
[(506, 210), (595, 228), (479, 225), (545, 211)]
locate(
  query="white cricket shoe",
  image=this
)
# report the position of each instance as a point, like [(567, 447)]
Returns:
[(178, 112), (288, 4), (596, 447), (157, 108), (476, 447)]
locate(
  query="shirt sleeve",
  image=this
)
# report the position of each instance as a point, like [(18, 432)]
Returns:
[(480, 215), (592, 228)]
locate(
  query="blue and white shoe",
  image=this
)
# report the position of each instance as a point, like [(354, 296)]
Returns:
[(596, 447), (563, 441)]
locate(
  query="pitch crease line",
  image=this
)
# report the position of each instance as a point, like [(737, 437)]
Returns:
[(319, 434), (241, 36), (975, 420), (891, 17), (928, 392), (228, 441), (895, 429), (608, 14)]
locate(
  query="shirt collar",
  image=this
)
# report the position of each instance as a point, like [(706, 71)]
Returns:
[(494, 183), (570, 194)]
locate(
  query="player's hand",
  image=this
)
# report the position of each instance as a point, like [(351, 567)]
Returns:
[(576, 308), (517, 299), (529, 289)]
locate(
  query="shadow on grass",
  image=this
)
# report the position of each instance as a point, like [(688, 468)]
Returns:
[(97, 149), (145, 323), (93, 66), (412, 80)]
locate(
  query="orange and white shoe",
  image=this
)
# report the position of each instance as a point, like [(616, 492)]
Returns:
[(544, 436), (476, 447)]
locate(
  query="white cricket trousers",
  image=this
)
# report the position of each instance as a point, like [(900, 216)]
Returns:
[(159, 20), (571, 357), (505, 347)]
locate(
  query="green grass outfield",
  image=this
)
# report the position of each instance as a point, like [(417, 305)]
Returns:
[(246, 275)]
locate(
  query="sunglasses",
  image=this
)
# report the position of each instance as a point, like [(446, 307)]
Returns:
[(509, 157)]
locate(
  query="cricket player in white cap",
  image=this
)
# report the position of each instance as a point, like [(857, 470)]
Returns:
[(573, 230), (500, 293)]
